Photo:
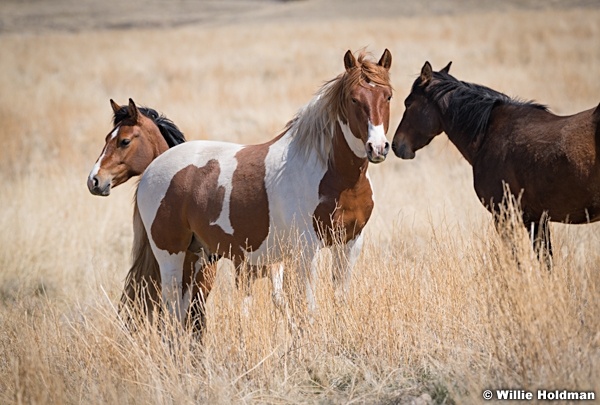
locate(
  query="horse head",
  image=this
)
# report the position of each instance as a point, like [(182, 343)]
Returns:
[(421, 121), (365, 109), (130, 147)]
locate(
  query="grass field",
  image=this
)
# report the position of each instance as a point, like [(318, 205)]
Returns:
[(438, 310)]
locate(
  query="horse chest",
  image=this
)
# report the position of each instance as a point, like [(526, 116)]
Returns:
[(343, 210)]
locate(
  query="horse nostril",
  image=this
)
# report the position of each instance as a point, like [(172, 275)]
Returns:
[(95, 182), (369, 147), (386, 147)]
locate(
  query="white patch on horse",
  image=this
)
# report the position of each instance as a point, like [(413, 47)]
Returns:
[(296, 177), (227, 165), (167, 165), (376, 135), (356, 144), (171, 280), (96, 167)]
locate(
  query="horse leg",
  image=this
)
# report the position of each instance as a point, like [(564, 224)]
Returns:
[(171, 275), (344, 259), (278, 295), (539, 234), (205, 270), (308, 273)]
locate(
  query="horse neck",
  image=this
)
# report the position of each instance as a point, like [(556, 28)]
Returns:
[(349, 169), (154, 144), (466, 143), (157, 142), (317, 140)]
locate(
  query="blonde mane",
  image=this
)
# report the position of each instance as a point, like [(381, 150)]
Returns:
[(313, 126)]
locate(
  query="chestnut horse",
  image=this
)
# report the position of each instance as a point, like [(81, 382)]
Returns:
[(304, 189), (551, 163), (138, 136)]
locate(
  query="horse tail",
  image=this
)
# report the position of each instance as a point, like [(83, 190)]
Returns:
[(142, 285)]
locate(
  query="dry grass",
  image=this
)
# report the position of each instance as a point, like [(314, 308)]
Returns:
[(437, 306)]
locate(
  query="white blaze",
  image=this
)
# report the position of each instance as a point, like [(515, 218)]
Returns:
[(376, 135), (96, 167)]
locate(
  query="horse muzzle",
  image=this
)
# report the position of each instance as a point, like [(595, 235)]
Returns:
[(377, 154), (98, 187), (403, 151)]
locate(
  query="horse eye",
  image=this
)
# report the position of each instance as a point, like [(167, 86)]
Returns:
[(389, 98), (354, 100), (125, 142)]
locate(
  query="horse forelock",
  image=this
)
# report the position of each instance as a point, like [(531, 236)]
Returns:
[(365, 73), (172, 134), (314, 125)]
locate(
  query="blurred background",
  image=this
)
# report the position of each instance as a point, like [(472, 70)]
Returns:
[(238, 70)]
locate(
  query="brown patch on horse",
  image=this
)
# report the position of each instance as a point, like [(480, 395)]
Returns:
[(345, 195), (201, 199), (196, 191), (249, 213)]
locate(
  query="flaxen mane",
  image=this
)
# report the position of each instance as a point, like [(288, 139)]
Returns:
[(469, 105), (313, 126)]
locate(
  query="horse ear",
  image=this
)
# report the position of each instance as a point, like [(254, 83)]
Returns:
[(132, 110), (349, 61), (447, 68), (115, 107), (426, 73), (386, 59)]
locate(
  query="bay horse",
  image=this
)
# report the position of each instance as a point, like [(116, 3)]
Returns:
[(551, 163), (305, 189)]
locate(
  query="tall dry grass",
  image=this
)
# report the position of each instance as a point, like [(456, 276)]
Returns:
[(438, 305)]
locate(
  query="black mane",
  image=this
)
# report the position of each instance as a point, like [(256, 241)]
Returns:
[(470, 105), (173, 136)]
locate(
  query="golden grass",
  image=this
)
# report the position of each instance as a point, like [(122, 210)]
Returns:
[(437, 306)]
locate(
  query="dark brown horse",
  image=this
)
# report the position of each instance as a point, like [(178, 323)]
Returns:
[(551, 162)]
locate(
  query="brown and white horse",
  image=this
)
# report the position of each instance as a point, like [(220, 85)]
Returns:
[(305, 189)]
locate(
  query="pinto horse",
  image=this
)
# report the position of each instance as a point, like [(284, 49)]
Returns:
[(551, 163), (305, 189)]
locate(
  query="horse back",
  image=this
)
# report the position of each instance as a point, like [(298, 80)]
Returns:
[(551, 161), (212, 191)]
